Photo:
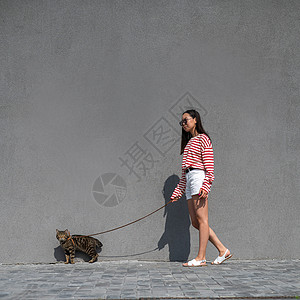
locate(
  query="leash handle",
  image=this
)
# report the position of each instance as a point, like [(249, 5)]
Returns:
[(110, 230)]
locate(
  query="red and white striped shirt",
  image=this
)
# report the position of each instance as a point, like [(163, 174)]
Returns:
[(198, 153)]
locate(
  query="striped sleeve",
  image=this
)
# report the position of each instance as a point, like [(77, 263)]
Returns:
[(208, 162), (180, 189)]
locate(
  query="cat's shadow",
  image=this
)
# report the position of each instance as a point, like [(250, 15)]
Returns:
[(79, 256)]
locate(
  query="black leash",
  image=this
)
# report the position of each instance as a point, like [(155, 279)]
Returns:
[(110, 230)]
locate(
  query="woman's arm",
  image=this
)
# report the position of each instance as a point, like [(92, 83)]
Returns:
[(208, 162), (180, 189)]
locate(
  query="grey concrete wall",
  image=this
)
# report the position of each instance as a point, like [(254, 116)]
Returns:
[(90, 98)]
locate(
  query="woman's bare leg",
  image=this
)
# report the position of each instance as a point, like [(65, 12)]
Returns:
[(198, 210), (212, 236), (217, 243)]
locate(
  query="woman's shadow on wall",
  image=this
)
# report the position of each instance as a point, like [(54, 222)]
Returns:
[(177, 232)]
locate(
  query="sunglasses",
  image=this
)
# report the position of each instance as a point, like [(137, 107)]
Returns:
[(184, 121)]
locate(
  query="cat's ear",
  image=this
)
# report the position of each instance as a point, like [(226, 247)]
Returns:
[(57, 230), (67, 231)]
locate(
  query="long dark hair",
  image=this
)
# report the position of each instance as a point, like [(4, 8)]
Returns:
[(186, 136)]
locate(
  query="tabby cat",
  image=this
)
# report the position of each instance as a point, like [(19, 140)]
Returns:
[(82, 243)]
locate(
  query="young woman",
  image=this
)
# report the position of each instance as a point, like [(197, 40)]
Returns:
[(197, 177)]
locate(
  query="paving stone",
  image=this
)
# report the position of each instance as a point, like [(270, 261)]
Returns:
[(134, 279)]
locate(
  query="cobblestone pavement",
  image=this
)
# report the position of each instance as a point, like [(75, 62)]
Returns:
[(139, 279)]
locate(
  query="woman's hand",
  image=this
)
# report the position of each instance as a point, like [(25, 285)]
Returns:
[(175, 199), (203, 194)]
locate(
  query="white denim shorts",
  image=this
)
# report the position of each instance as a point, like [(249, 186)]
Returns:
[(194, 181)]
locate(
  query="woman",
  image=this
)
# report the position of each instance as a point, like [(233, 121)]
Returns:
[(196, 180)]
